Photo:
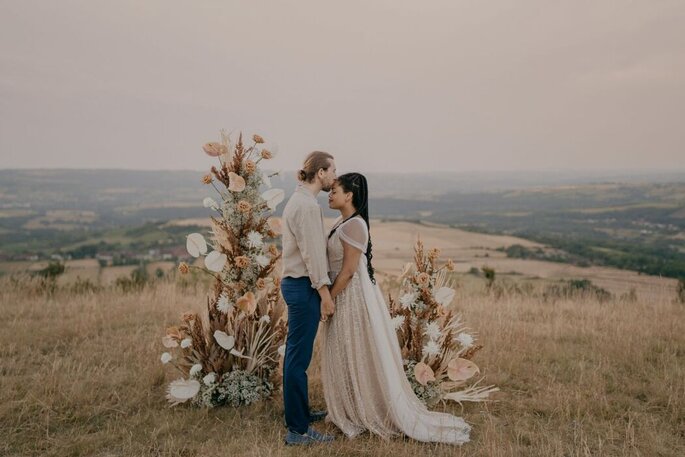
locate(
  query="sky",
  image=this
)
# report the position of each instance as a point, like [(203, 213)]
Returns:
[(384, 85)]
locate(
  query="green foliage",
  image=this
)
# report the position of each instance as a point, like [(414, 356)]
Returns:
[(138, 279), (517, 251), (82, 286), (237, 388), (505, 287), (88, 251), (630, 296), (576, 288), (655, 258), (680, 291), (580, 284), (428, 394), (52, 271), (489, 274)]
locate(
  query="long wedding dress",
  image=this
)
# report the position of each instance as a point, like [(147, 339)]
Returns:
[(364, 382)]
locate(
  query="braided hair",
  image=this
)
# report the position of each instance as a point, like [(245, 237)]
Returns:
[(356, 183)]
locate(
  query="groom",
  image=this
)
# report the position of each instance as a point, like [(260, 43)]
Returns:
[(305, 290)]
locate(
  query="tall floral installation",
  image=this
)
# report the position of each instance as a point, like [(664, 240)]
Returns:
[(230, 355), (437, 349)]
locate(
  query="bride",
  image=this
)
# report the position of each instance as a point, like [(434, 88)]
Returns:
[(364, 382)]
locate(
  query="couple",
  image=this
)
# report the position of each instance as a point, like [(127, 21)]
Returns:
[(364, 382)]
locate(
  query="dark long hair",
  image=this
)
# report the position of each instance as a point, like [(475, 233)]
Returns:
[(356, 183)]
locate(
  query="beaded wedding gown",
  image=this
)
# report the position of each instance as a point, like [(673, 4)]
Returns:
[(364, 383)]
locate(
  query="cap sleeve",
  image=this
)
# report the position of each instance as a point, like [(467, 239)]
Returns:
[(355, 233)]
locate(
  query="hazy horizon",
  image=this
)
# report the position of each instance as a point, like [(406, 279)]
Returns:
[(386, 86), (569, 170)]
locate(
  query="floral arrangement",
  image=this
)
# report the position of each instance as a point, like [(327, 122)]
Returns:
[(230, 355), (436, 347)]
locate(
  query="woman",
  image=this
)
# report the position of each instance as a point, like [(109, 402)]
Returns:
[(363, 377)]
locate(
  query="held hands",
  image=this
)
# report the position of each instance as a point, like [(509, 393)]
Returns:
[(327, 308), (327, 305)]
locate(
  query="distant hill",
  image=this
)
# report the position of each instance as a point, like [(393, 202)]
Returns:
[(628, 220)]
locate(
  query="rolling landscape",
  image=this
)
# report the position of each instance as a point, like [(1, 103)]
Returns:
[(573, 289), (631, 222), (524, 178)]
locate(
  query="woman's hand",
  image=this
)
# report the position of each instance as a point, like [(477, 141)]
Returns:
[(327, 308)]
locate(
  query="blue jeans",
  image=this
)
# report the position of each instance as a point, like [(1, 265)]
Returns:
[(304, 312)]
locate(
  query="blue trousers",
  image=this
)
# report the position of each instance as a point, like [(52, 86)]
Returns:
[(304, 312)]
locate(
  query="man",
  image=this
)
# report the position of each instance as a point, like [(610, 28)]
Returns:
[(305, 290)]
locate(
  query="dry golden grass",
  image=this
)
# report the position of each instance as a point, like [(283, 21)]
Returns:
[(80, 375)]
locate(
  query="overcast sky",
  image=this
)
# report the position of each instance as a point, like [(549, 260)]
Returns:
[(385, 85)]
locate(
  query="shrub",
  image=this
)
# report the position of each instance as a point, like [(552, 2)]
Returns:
[(137, 280), (52, 271), (474, 271), (576, 288), (82, 286), (489, 274), (680, 291)]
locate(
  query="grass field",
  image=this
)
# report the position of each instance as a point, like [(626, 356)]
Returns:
[(81, 376)]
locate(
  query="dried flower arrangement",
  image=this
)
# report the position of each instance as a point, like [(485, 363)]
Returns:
[(436, 348), (230, 356)]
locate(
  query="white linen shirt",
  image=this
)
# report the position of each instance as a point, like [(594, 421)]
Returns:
[(304, 239)]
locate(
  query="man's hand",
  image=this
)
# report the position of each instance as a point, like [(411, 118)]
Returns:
[(327, 308), (327, 304)]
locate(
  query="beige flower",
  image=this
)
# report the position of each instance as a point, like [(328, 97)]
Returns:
[(450, 265), (423, 280), (215, 149), (261, 284), (169, 342), (236, 183), (188, 316), (207, 179), (461, 369), (244, 207), (266, 154), (182, 390), (224, 340), (250, 167), (434, 253), (257, 139), (423, 373), (273, 250), (247, 303), (174, 332), (275, 224), (242, 261), (183, 268)]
